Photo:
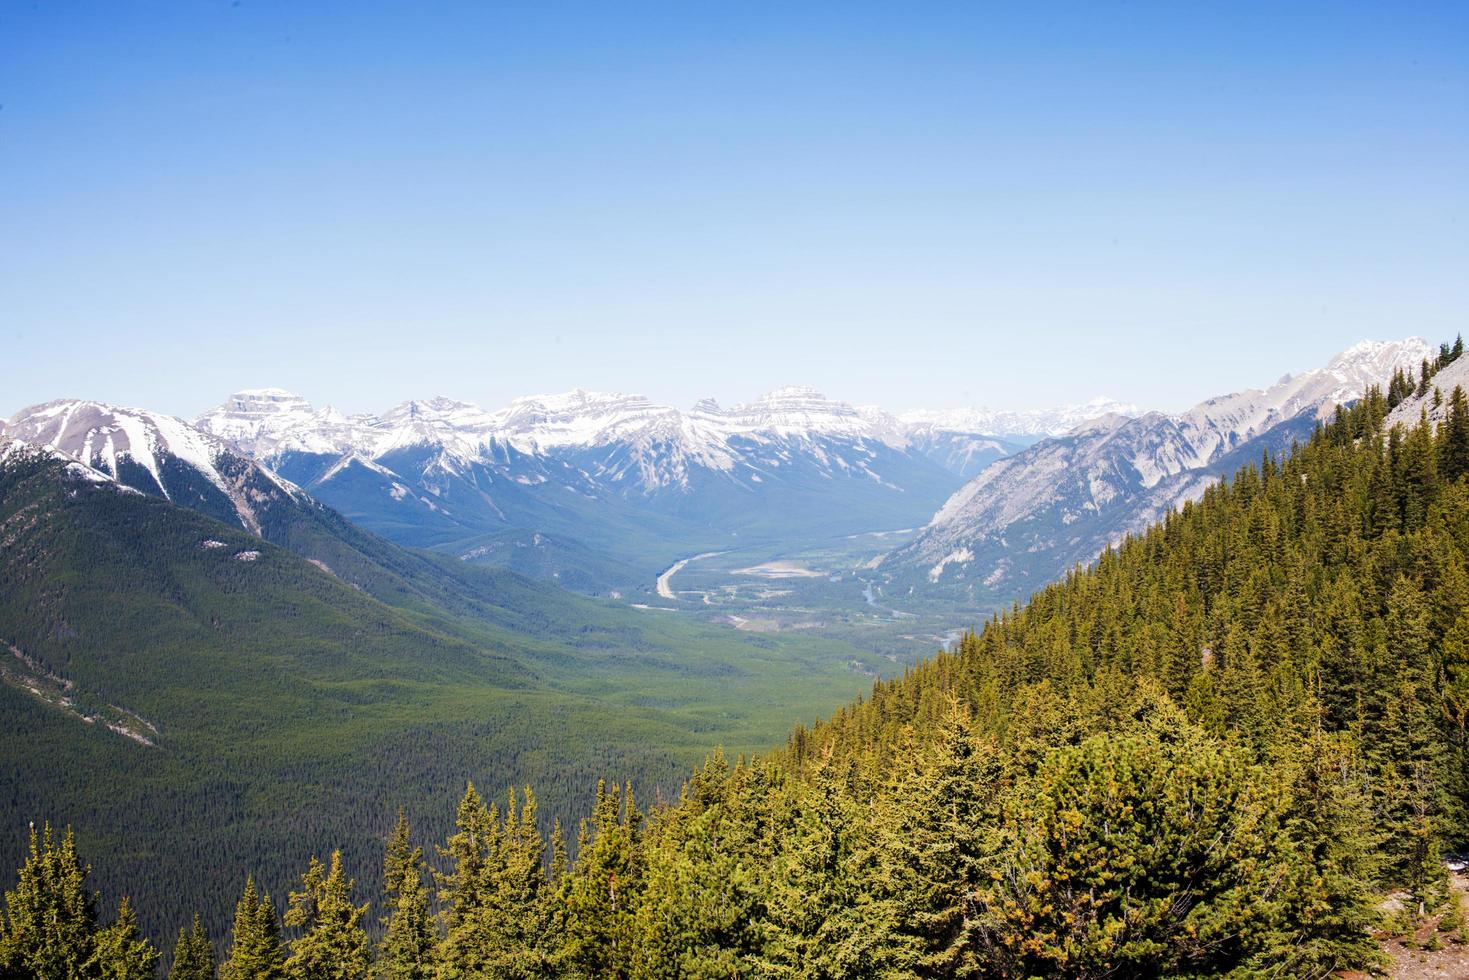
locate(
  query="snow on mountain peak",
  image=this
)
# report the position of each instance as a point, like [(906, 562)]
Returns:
[(102, 436), (119, 442)]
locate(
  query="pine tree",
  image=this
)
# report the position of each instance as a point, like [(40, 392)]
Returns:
[(255, 946), (1145, 853), (332, 944), (193, 955), (50, 917), (1454, 674), (1328, 919), (938, 826), (703, 897), (601, 893), (1454, 451), (832, 913), (122, 952), (407, 948), (464, 890), (511, 923)]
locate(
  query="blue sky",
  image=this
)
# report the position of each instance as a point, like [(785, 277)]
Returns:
[(907, 203)]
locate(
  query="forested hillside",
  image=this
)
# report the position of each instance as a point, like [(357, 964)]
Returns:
[(1211, 754), (199, 703)]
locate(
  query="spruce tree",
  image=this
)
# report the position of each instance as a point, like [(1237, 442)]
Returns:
[(255, 945), (511, 922), (464, 890), (1454, 447), (1327, 922), (50, 917), (601, 892), (407, 948), (938, 824), (332, 944), (703, 896), (193, 955), (1408, 759), (833, 912), (122, 952)]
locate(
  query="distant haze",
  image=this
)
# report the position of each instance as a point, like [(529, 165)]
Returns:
[(910, 206)]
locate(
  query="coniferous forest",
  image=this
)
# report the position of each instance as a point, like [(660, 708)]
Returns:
[(1214, 753)]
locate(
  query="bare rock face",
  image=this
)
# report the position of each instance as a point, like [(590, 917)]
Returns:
[(1028, 517)]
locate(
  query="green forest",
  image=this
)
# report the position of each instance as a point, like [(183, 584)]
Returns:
[(1211, 754), (289, 709)]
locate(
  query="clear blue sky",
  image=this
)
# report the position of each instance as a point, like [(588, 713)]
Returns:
[(902, 203)]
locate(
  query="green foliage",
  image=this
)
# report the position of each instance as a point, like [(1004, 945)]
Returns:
[(50, 925), (193, 954), (255, 943), (407, 949), (1147, 851), (294, 710), (600, 895), (50, 917), (332, 944), (122, 952)]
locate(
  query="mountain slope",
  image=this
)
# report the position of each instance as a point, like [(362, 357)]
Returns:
[(169, 677), (1027, 518)]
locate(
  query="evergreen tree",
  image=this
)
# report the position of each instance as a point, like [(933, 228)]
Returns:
[(407, 948), (938, 822), (50, 917), (464, 890), (600, 895), (1407, 754), (122, 953), (1328, 916), (332, 944), (702, 902), (833, 913), (1141, 854), (513, 923), (1454, 447), (193, 955), (255, 944)]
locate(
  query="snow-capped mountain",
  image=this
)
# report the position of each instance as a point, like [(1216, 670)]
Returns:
[(149, 453), (609, 470), (154, 454), (662, 444), (1026, 518)]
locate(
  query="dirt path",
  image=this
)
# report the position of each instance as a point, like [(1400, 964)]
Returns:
[(1452, 961)]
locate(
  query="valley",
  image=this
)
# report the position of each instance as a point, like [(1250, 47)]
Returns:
[(827, 586)]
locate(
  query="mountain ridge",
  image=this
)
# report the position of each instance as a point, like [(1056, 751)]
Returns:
[(1027, 517)]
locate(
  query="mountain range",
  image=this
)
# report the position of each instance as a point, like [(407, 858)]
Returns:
[(600, 492)]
